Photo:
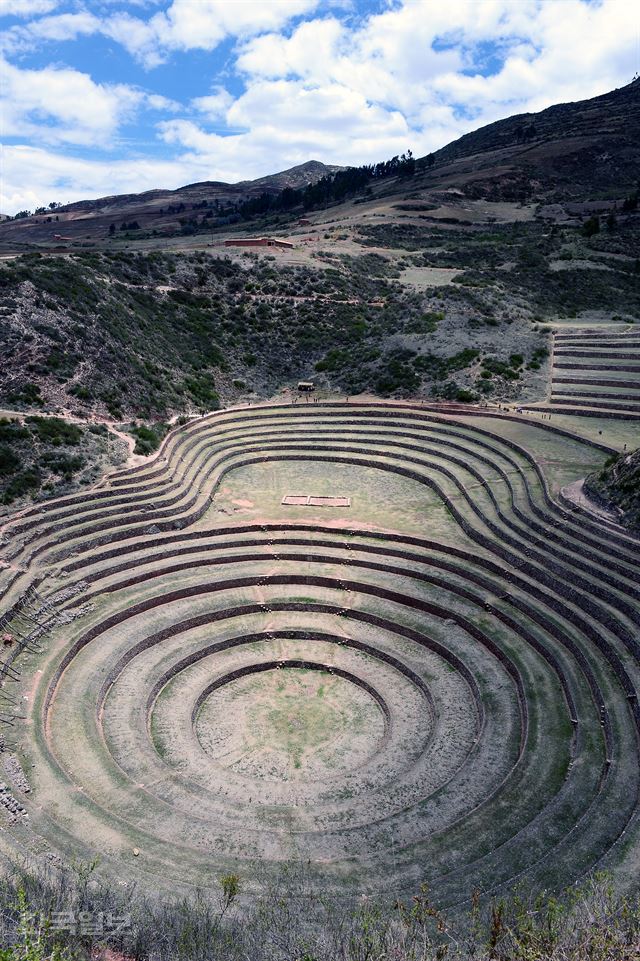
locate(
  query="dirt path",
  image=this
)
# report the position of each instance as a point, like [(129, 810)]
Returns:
[(132, 460), (73, 419), (575, 493)]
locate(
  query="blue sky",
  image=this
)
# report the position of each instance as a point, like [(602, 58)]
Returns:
[(109, 97)]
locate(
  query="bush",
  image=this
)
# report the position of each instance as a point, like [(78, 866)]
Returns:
[(12, 430), (147, 438), (397, 373), (333, 360), (9, 461), (28, 393), (202, 390), (81, 392), (501, 367), (64, 464), (591, 226), (440, 367), (21, 484), (33, 936), (55, 431), (451, 391)]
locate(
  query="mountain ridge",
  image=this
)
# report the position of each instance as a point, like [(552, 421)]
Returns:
[(564, 149), (584, 150), (298, 175)]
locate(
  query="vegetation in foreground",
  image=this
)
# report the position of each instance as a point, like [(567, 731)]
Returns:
[(72, 916)]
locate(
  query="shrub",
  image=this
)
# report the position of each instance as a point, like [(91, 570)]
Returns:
[(289, 921), (12, 430), (33, 941), (21, 484), (440, 367), (451, 391), (28, 393), (591, 226), (81, 392), (397, 373), (426, 323), (147, 438), (64, 464), (202, 390), (9, 461), (55, 431), (333, 360), (500, 367)]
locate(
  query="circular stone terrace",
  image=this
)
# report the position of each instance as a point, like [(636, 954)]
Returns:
[(431, 678)]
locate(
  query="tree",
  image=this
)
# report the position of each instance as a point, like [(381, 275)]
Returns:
[(407, 165), (591, 226)]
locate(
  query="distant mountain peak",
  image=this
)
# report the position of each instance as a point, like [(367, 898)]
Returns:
[(150, 207)]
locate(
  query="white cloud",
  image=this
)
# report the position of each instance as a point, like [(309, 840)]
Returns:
[(283, 123), (61, 105), (26, 8), (310, 51), (200, 25), (64, 26), (192, 24), (57, 176), (288, 109), (57, 28), (58, 105), (547, 69), (429, 60), (137, 36), (215, 105), (184, 25), (156, 101), (340, 88)]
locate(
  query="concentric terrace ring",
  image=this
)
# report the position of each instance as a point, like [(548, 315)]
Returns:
[(439, 685)]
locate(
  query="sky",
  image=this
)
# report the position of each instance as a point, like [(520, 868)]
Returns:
[(105, 97)]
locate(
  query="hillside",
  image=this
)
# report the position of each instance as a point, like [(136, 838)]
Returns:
[(427, 283), (618, 485), (568, 152), (160, 210)]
